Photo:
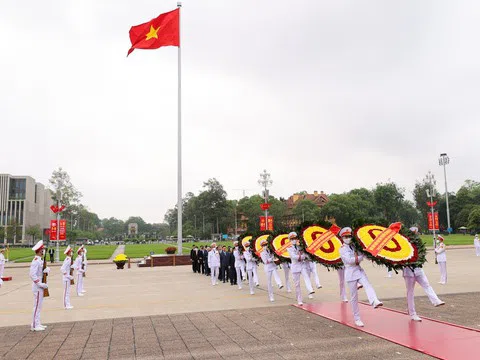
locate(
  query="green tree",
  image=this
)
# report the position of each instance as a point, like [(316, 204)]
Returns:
[(307, 210), (474, 218), (389, 199), (34, 231), (63, 189), (113, 227)]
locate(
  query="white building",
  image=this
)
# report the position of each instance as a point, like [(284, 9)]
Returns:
[(25, 203)]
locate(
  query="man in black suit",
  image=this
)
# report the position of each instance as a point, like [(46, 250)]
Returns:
[(232, 274), (201, 267), (51, 252), (224, 264), (205, 260), (194, 258)]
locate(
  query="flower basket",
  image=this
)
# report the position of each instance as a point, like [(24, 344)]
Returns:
[(171, 250), (120, 260)]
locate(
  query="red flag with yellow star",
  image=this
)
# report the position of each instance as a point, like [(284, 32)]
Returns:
[(161, 31)]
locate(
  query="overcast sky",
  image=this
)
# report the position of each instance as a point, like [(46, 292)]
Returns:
[(325, 95)]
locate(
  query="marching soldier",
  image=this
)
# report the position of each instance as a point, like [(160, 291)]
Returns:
[(286, 269), (251, 263), (239, 264), (270, 269), (2, 262), (298, 257), (36, 274), (66, 277), (214, 262), (441, 259), (476, 243), (311, 268), (354, 274), (78, 267)]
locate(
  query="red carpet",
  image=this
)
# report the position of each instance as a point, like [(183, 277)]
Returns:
[(432, 337), (6, 278)]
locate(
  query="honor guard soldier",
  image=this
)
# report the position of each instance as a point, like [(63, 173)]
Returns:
[(66, 277), (251, 263), (311, 268), (476, 243), (270, 269), (38, 287), (214, 262), (239, 264), (441, 259), (78, 266), (2, 262), (354, 274), (298, 258)]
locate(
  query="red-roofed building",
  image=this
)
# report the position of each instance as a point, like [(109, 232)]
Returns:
[(319, 198)]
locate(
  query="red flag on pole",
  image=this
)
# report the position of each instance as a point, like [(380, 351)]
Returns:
[(164, 30)]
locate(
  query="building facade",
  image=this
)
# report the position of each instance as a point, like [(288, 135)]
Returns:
[(23, 203)]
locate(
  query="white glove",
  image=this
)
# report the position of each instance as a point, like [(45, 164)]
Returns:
[(42, 286), (69, 277), (47, 270), (81, 271), (72, 267)]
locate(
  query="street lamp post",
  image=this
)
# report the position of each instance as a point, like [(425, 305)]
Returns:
[(57, 253), (443, 161), (430, 179), (265, 182), (235, 219)]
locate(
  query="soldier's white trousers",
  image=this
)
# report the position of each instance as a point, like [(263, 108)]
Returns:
[(477, 250), (251, 282), (214, 274), (273, 273), (66, 293), (341, 281), (255, 275), (79, 282), (443, 271), (2, 268), (286, 269), (37, 307), (312, 269), (298, 290), (423, 282), (372, 296), (306, 278)]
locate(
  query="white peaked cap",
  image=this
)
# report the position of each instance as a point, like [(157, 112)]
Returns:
[(292, 234), (345, 231), (39, 245), (414, 229), (67, 250)]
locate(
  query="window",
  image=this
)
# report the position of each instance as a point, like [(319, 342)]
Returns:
[(17, 189)]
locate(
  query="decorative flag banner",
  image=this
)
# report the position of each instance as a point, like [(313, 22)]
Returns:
[(323, 244), (164, 30), (433, 222), (53, 230), (264, 227), (63, 230)]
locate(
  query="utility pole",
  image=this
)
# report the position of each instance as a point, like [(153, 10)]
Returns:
[(443, 161), (430, 179), (265, 182)]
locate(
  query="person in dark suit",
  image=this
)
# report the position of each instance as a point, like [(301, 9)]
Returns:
[(205, 260), (51, 253), (194, 258), (201, 267), (232, 274), (223, 265)]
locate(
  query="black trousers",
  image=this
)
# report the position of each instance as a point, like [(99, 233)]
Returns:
[(224, 273), (201, 268), (194, 265), (51, 259), (233, 275)]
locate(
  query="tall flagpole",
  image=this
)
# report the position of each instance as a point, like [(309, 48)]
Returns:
[(179, 185)]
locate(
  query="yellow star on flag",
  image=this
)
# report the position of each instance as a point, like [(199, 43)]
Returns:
[(152, 33)]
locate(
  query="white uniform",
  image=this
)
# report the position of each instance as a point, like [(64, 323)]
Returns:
[(442, 262), (341, 281), (311, 268), (65, 270), (36, 274), (271, 270), (214, 264), (286, 270), (2, 264), (411, 277), (251, 263), (298, 268), (254, 271), (77, 265), (476, 243), (239, 266), (355, 274)]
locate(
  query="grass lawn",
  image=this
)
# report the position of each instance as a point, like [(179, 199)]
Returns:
[(454, 239), (97, 252)]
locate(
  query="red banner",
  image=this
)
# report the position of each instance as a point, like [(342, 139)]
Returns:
[(53, 230), (63, 230), (262, 223), (430, 221)]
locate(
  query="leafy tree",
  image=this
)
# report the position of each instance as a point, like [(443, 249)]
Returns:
[(13, 232), (113, 227), (474, 218), (61, 185), (388, 199), (34, 231), (306, 210)]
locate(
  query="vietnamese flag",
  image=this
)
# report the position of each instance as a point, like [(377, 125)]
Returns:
[(164, 30)]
